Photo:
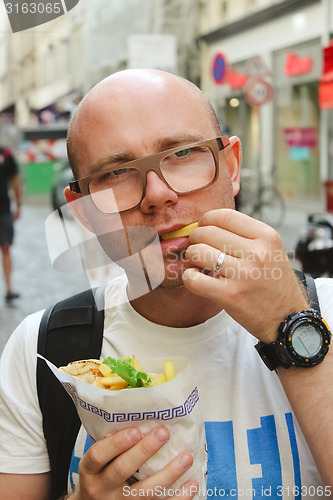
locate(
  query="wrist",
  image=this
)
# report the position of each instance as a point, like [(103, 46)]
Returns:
[(273, 333)]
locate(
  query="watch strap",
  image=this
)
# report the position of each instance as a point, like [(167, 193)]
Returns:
[(269, 353), (310, 286), (312, 293)]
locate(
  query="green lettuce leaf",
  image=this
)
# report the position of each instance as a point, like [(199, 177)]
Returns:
[(125, 370)]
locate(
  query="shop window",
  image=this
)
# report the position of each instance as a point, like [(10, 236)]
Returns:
[(297, 141)]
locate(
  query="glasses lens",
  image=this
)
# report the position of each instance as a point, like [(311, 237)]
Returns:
[(189, 169), (117, 190), (184, 170)]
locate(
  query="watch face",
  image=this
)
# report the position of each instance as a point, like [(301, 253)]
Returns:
[(306, 340)]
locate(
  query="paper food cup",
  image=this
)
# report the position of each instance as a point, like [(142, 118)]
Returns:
[(174, 404)]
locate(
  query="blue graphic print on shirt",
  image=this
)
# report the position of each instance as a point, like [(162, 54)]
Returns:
[(75, 460), (264, 450), (221, 466)]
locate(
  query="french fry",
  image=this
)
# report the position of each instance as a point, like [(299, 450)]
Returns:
[(169, 370), (136, 364), (115, 383), (105, 370), (157, 379), (183, 231)]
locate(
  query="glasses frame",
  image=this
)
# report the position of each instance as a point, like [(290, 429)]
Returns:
[(152, 162)]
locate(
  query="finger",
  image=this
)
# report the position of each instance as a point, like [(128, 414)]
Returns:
[(206, 257), (166, 477), (188, 490), (205, 285), (105, 450), (221, 239), (233, 221), (129, 462)]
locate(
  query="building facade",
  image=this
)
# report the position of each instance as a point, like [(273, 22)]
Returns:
[(261, 67), (46, 70)]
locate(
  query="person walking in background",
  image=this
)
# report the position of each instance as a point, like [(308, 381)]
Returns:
[(9, 178)]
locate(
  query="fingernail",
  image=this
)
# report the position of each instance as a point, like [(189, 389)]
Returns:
[(161, 435), (134, 434), (185, 460)]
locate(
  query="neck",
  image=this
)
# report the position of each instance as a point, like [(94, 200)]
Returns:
[(175, 307)]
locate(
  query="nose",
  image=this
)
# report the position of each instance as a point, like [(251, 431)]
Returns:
[(157, 194)]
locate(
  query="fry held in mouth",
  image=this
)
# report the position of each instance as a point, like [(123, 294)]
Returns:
[(182, 232), (116, 374)]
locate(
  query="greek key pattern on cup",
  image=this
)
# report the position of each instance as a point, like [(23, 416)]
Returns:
[(71, 392), (166, 414)]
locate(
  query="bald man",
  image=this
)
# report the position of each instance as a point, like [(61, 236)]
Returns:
[(146, 149)]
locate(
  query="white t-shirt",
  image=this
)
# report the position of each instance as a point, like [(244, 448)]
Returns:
[(255, 447)]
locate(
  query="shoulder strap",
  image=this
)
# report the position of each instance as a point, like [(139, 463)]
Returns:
[(70, 330), (310, 287)]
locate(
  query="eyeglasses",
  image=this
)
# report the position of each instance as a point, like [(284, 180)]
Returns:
[(183, 169)]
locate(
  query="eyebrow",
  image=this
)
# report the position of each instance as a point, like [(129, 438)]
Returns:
[(162, 144), (179, 140)]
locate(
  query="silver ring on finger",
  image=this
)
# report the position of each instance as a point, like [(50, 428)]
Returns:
[(219, 263)]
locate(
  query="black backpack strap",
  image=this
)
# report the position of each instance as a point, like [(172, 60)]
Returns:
[(70, 330), (310, 286)]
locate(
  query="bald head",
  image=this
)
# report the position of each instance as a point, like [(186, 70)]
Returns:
[(126, 93)]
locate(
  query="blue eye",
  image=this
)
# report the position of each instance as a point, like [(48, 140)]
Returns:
[(183, 152), (119, 171)]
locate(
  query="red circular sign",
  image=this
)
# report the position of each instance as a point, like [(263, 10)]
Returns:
[(258, 91)]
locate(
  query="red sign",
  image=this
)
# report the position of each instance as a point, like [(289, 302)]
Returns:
[(258, 91), (328, 59), (297, 65), (326, 95), (301, 137), (326, 82), (236, 80)]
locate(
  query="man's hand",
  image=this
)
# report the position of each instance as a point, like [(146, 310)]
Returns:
[(255, 284), (108, 463)]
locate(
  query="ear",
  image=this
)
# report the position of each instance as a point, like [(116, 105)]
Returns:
[(78, 205), (233, 155)]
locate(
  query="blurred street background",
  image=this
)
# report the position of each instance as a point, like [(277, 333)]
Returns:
[(266, 66), (34, 278)]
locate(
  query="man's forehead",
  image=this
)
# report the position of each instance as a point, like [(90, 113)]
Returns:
[(135, 86), (116, 111)]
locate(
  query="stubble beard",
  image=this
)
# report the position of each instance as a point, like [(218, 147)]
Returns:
[(175, 265)]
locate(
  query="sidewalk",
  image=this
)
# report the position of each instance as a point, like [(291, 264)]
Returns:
[(33, 277)]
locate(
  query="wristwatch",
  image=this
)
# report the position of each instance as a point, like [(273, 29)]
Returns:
[(303, 340)]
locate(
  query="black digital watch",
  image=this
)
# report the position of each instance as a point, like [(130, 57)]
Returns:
[(303, 340)]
